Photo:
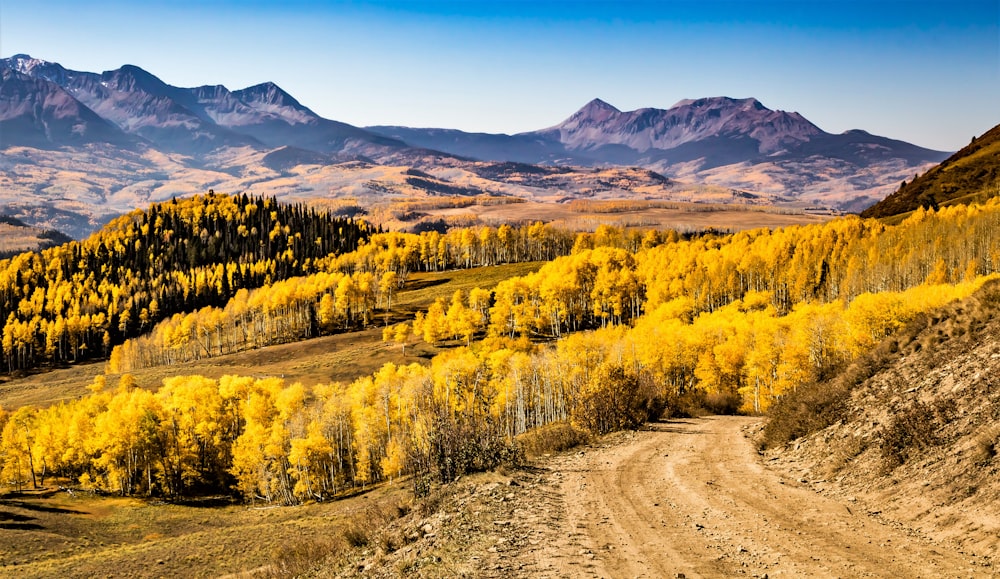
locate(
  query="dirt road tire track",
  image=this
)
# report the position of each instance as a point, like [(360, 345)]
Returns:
[(692, 498)]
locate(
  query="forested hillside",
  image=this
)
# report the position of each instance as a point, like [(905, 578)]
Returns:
[(973, 171), (75, 301), (629, 324)]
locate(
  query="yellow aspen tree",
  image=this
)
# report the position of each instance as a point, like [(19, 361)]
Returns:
[(308, 457), (435, 323), (401, 335), (17, 468)]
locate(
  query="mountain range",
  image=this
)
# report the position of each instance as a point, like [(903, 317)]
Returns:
[(79, 147), (736, 143), (181, 120)]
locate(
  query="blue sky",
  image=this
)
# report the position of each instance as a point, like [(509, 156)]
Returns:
[(925, 72)]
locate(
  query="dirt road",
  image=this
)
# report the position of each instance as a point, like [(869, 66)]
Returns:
[(692, 498)]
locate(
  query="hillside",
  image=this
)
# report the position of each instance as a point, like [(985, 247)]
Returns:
[(619, 328), (972, 173), (918, 440), (74, 302), (16, 237)]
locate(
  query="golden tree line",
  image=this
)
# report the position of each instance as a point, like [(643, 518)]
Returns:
[(263, 438), (347, 293), (612, 277), (286, 443), (819, 295), (617, 281), (77, 301)]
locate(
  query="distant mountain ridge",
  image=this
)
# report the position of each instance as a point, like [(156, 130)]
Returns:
[(39, 113), (201, 119), (82, 146), (599, 124), (724, 141)]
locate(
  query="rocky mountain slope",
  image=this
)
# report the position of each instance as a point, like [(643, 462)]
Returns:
[(971, 173), (599, 124), (201, 119), (737, 143), (38, 113)]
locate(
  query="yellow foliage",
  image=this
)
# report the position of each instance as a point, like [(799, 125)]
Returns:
[(635, 319)]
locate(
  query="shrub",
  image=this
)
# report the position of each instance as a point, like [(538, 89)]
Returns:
[(723, 402), (554, 437), (808, 409), (985, 448), (300, 558), (356, 533), (373, 527), (617, 400), (912, 431), (460, 445)]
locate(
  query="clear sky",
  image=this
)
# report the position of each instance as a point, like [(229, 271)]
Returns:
[(923, 71)]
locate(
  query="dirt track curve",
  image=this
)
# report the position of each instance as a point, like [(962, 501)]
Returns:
[(692, 498)]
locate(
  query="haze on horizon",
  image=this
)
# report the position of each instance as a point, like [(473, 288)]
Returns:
[(927, 72)]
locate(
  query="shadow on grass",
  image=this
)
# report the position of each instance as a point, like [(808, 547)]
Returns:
[(8, 516), (21, 527), (39, 508), (413, 285), (212, 502)]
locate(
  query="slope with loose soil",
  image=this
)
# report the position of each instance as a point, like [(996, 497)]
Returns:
[(918, 441)]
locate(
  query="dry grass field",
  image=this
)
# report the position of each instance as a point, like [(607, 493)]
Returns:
[(52, 533), (16, 238), (679, 216)]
